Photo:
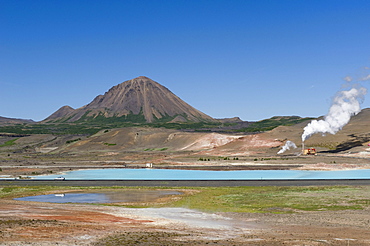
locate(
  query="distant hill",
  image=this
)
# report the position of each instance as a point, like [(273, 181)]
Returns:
[(10, 121), (60, 113), (355, 133), (140, 100)]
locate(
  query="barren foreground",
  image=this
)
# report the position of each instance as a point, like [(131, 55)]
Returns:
[(39, 223)]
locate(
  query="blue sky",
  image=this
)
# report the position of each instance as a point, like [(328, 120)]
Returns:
[(252, 59)]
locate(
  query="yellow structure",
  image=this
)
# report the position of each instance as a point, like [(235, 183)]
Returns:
[(310, 151)]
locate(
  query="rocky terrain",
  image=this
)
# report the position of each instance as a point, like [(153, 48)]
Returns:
[(40, 223), (11, 121), (140, 99)]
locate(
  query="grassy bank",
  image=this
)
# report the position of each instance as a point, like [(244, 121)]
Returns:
[(239, 199), (9, 143), (277, 199)]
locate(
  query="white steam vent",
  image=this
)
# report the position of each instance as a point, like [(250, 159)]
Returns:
[(288, 145), (345, 104)]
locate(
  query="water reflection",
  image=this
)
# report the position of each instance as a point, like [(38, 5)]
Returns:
[(126, 196)]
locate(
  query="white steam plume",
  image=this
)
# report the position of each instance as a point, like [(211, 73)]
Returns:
[(287, 146), (344, 106)]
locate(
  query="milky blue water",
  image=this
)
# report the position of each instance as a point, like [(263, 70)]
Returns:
[(102, 196), (174, 174)]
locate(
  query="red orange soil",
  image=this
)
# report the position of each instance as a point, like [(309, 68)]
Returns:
[(32, 223), (46, 224)]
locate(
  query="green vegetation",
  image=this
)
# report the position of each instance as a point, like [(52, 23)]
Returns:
[(52, 128), (271, 159), (72, 141), (166, 118), (89, 125), (269, 124), (218, 159), (155, 149), (195, 126), (240, 199), (110, 144), (9, 143), (18, 191), (100, 119), (275, 199), (92, 127)]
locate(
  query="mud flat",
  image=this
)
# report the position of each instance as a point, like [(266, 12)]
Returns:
[(37, 223)]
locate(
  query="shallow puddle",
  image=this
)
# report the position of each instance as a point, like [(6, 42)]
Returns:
[(127, 196)]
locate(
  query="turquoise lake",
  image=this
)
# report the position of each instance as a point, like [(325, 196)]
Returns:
[(174, 174)]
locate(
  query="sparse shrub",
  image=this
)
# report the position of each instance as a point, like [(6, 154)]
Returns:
[(74, 140), (9, 143), (110, 144), (7, 189)]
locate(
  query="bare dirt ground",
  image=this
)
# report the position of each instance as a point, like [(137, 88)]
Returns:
[(33, 223)]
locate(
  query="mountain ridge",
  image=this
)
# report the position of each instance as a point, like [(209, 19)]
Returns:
[(10, 121), (140, 96)]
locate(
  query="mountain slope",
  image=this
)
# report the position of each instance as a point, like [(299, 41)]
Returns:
[(60, 113), (137, 100), (355, 133), (10, 121)]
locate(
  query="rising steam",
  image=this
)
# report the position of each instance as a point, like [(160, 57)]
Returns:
[(287, 146), (344, 106)]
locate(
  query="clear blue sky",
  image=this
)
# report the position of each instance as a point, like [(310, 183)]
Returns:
[(252, 59)]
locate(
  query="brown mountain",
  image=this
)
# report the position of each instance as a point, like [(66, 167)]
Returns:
[(10, 121), (60, 113), (137, 100)]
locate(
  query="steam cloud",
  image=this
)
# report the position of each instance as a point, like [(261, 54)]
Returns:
[(287, 146), (344, 106)]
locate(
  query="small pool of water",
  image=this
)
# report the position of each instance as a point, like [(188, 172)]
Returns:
[(174, 174), (125, 196)]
